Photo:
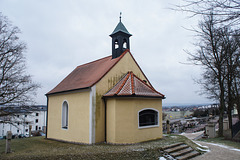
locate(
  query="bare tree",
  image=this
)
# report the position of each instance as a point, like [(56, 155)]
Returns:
[(16, 86), (220, 80), (219, 55), (210, 55), (236, 74), (225, 10), (231, 46)]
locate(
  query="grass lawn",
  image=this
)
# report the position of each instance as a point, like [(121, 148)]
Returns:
[(222, 141), (41, 148)]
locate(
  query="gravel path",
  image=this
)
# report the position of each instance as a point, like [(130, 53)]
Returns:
[(219, 152)]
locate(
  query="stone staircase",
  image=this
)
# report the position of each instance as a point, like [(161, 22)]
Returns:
[(181, 151)]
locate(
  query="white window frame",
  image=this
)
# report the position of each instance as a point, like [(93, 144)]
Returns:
[(150, 126), (65, 115)]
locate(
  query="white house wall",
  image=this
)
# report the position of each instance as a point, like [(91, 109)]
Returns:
[(24, 120)]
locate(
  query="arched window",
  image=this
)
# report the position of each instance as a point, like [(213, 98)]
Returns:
[(148, 118), (65, 115), (116, 44), (124, 44)]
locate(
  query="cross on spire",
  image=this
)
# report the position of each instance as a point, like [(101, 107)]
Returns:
[(120, 16)]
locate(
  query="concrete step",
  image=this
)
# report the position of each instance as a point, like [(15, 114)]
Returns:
[(188, 155), (182, 152), (172, 145), (176, 148)]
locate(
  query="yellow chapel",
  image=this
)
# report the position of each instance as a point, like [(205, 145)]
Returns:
[(108, 100)]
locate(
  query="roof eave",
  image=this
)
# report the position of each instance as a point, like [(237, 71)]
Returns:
[(120, 31), (65, 91), (132, 96)]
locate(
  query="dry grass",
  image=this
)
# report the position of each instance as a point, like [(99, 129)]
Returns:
[(40, 148)]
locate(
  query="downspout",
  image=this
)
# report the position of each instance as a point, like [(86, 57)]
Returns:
[(47, 118), (105, 119)]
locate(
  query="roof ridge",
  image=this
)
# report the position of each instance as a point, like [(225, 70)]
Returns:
[(117, 60), (93, 61), (126, 50), (124, 82), (149, 86), (139, 68), (132, 83)]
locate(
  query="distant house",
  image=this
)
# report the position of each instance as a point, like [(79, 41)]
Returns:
[(107, 100), (20, 121)]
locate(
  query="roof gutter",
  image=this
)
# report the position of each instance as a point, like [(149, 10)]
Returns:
[(105, 119), (73, 90), (136, 96)]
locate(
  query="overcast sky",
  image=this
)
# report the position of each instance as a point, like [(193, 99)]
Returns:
[(62, 34)]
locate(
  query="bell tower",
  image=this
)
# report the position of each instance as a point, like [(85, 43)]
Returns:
[(120, 39)]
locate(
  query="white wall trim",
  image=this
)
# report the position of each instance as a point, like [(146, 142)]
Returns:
[(92, 107), (67, 92)]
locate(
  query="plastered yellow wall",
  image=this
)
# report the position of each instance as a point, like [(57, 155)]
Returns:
[(107, 82), (122, 120), (111, 128), (78, 117)]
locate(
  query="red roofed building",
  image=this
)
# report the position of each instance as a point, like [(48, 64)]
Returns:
[(107, 100)]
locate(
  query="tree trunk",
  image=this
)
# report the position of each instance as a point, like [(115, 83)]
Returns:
[(220, 121), (221, 109), (229, 92), (230, 116)]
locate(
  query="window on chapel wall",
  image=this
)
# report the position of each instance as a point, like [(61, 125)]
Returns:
[(148, 117), (65, 115)]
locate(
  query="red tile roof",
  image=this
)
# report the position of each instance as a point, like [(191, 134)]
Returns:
[(86, 75), (131, 85)]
